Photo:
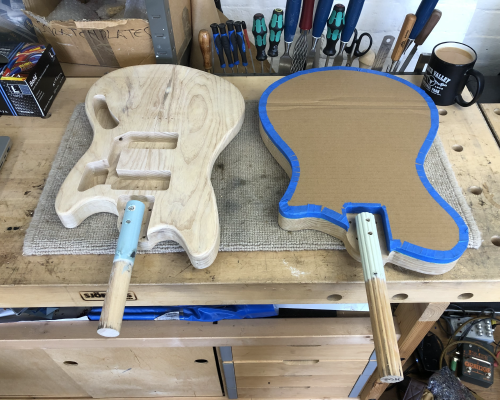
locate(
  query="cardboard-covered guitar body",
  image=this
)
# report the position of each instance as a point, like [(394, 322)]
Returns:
[(354, 140), (157, 132)]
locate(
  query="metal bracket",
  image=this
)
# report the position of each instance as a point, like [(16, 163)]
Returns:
[(162, 32), (423, 60)]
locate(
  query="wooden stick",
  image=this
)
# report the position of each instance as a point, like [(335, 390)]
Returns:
[(110, 322), (384, 334)]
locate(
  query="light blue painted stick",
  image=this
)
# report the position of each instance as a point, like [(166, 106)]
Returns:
[(114, 303)]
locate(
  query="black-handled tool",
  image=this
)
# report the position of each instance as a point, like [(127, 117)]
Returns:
[(226, 45), (218, 46), (234, 43), (335, 25), (275, 29), (259, 31), (240, 41)]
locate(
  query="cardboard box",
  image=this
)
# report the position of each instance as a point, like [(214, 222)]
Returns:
[(106, 43), (30, 81)]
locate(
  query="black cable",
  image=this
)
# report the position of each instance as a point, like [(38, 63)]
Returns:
[(459, 307)]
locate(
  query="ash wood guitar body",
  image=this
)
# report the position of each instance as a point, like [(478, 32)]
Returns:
[(355, 141), (157, 132)]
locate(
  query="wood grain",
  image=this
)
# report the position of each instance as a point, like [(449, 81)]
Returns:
[(193, 115)]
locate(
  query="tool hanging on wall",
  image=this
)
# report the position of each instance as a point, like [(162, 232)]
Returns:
[(335, 25), (226, 45), (218, 45), (206, 49), (292, 13), (423, 13), (247, 40), (422, 37), (404, 34), (240, 41), (322, 10), (275, 29), (300, 49), (351, 19), (383, 52), (259, 31), (233, 42), (353, 49)]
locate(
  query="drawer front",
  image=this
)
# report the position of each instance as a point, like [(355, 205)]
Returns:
[(300, 367), (279, 353), (277, 382), (296, 393)]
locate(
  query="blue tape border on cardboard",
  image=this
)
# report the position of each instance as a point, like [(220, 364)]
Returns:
[(318, 211)]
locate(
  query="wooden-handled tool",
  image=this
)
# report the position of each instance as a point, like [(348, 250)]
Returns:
[(404, 34), (206, 49), (422, 36), (384, 334), (423, 13), (114, 303)]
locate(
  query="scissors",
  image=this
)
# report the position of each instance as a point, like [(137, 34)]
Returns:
[(353, 49)]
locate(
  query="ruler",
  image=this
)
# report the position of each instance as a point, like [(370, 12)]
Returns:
[(383, 52)]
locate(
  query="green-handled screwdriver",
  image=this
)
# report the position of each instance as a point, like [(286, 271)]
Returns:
[(275, 29), (259, 31), (335, 24)]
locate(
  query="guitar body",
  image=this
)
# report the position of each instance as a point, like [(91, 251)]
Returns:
[(158, 130), (353, 141)]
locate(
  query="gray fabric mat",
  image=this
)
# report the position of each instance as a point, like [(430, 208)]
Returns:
[(248, 184)]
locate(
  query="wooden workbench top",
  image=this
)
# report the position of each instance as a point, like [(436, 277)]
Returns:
[(239, 277)]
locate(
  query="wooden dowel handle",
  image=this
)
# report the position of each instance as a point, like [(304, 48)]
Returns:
[(366, 61), (404, 34), (206, 49), (384, 333), (110, 322)]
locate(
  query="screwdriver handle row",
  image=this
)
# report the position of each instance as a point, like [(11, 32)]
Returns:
[(275, 29)]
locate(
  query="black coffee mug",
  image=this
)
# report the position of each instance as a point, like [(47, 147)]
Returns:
[(450, 66)]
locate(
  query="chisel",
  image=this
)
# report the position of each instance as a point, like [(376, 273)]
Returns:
[(422, 36), (305, 24), (233, 42), (292, 13), (247, 40), (218, 46), (351, 19), (275, 29), (204, 41), (423, 13), (226, 45), (335, 25), (322, 10), (240, 41), (404, 34), (259, 31)]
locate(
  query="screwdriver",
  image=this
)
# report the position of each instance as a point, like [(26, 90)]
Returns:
[(320, 18), (335, 25), (351, 19), (204, 40), (226, 45), (275, 29), (259, 31), (233, 42), (401, 42), (422, 36), (247, 40), (218, 46), (240, 40), (292, 13), (423, 13)]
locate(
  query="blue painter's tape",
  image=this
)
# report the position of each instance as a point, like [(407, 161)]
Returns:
[(130, 231), (340, 219)]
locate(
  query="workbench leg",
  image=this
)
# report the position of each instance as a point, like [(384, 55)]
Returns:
[(414, 321)]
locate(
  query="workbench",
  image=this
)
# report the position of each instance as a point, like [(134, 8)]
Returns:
[(307, 277)]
